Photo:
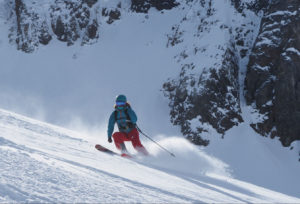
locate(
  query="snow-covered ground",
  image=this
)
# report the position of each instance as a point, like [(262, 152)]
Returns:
[(45, 163)]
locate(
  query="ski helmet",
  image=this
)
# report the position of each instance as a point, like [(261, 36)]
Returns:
[(121, 98)]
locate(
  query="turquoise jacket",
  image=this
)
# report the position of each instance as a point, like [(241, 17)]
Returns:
[(121, 119)]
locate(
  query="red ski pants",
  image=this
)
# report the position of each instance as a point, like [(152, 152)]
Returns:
[(133, 136)]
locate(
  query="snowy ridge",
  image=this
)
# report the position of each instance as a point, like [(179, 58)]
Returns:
[(45, 163)]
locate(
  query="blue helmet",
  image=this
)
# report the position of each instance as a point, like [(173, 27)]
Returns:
[(121, 98)]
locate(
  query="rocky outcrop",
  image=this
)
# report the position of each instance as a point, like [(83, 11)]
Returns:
[(71, 20), (205, 97), (213, 98), (67, 21), (254, 5), (112, 15), (272, 83), (143, 6), (35, 23), (27, 32)]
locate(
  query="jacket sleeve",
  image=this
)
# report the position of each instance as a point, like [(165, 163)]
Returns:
[(132, 116), (111, 125)]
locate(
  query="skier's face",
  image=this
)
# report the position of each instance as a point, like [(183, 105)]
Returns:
[(120, 107)]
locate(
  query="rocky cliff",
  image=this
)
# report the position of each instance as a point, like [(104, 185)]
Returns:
[(36, 23), (272, 83), (206, 95)]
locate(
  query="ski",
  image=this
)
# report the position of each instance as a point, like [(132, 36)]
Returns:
[(108, 151)]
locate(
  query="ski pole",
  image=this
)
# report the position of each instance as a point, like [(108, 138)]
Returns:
[(154, 141)]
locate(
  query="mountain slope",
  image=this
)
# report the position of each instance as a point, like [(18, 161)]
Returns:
[(45, 163), (59, 84), (205, 55)]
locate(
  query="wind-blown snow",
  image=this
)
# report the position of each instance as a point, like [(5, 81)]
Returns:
[(45, 163), (187, 155)]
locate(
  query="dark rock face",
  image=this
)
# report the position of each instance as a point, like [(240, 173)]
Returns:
[(220, 91), (112, 14), (254, 5), (142, 6), (272, 83), (206, 94)]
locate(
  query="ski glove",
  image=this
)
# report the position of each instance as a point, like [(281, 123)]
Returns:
[(109, 140)]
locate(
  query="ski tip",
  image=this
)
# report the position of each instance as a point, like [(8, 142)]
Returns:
[(99, 147)]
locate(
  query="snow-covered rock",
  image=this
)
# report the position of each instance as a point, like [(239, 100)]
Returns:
[(273, 76), (143, 6), (213, 38), (36, 22)]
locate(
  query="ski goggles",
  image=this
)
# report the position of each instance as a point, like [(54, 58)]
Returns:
[(120, 103)]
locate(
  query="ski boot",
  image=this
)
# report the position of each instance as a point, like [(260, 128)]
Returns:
[(124, 152)]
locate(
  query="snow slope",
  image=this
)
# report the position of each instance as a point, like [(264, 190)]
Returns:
[(45, 163)]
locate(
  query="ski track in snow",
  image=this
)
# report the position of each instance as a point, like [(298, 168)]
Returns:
[(45, 163)]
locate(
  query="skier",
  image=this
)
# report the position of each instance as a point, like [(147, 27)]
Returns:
[(126, 119)]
